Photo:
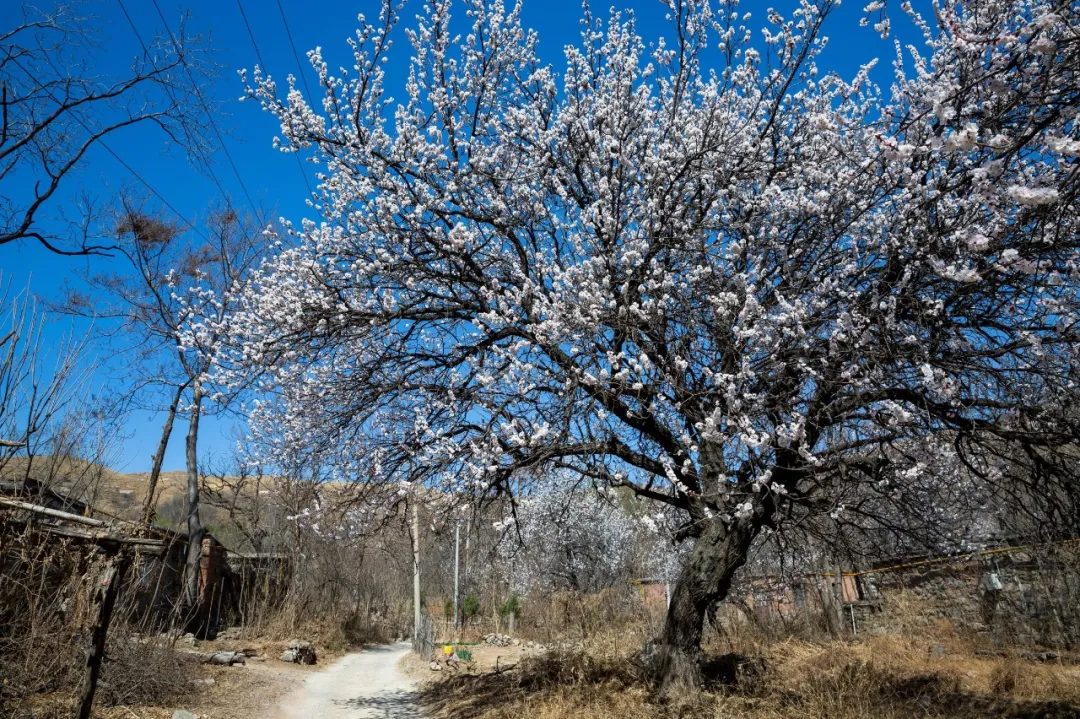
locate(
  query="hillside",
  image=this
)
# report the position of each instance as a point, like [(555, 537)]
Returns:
[(115, 495)]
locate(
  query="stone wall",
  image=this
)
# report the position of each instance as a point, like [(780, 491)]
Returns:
[(1024, 597), (1002, 597)]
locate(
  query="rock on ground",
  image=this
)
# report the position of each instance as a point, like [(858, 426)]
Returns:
[(226, 659), (299, 652)]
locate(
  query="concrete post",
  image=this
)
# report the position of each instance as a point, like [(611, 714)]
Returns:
[(457, 565), (416, 570)]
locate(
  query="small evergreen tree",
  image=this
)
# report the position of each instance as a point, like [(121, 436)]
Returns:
[(471, 605)]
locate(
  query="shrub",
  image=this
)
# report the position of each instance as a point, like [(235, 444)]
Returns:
[(471, 605), (358, 628), (145, 671), (511, 606)]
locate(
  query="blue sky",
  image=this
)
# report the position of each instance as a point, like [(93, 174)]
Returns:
[(274, 180)]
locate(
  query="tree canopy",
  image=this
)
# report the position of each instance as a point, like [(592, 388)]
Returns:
[(702, 269)]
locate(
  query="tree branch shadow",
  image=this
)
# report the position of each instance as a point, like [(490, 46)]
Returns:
[(388, 705)]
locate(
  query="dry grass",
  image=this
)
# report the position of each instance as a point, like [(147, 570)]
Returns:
[(333, 635), (556, 684), (881, 677), (145, 674)]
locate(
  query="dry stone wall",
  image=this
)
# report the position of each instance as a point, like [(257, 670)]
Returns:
[(1017, 597)]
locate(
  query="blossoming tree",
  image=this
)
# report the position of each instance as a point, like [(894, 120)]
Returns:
[(568, 537), (701, 269)]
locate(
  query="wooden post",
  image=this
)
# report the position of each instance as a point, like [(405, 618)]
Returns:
[(159, 457), (104, 598), (193, 560), (466, 573)]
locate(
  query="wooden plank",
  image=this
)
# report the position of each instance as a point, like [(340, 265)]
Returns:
[(104, 536), (98, 536), (55, 513), (37, 509)]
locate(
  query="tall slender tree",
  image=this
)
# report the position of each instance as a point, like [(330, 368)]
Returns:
[(153, 308)]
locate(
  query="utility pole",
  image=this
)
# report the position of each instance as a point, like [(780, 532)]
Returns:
[(457, 565), (467, 565), (416, 571)]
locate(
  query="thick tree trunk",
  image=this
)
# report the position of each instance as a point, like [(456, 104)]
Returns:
[(159, 457), (195, 528), (703, 581)]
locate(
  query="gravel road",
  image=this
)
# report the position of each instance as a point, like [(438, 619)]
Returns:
[(364, 685)]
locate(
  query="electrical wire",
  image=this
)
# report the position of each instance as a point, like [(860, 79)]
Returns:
[(209, 114), (112, 152), (205, 107), (296, 55), (262, 63)]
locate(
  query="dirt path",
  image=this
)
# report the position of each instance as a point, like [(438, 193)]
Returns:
[(364, 685)]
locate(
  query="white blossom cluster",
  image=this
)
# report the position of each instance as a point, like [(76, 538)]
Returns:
[(699, 268)]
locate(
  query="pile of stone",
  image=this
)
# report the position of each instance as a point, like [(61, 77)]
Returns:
[(299, 652), (501, 640)]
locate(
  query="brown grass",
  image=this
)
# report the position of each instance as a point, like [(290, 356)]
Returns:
[(880, 677)]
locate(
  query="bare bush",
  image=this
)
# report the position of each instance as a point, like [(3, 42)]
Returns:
[(45, 585), (39, 605), (145, 671), (59, 104)]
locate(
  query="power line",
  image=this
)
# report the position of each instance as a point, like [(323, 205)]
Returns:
[(262, 63), (168, 91), (205, 106), (251, 34), (131, 24), (112, 152), (209, 114), (295, 54)]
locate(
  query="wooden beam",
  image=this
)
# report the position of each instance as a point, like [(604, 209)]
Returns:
[(106, 537), (56, 513)]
